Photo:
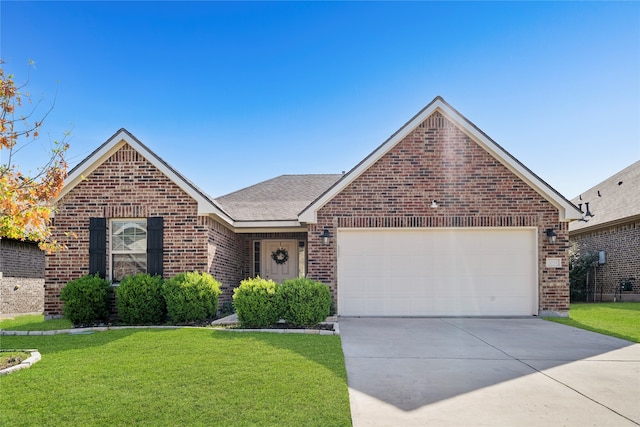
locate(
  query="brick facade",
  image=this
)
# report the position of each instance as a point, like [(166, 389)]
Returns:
[(225, 257), (621, 244), (438, 161), (21, 277), (127, 185)]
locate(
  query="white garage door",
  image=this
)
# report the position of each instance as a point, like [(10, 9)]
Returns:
[(437, 272)]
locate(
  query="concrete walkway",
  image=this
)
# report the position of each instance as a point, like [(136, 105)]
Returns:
[(488, 372)]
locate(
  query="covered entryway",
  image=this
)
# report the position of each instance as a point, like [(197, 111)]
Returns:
[(280, 259), (437, 272)]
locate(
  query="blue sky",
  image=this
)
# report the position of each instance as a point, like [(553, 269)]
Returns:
[(231, 94)]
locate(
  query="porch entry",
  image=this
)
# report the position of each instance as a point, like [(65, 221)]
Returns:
[(280, 260)]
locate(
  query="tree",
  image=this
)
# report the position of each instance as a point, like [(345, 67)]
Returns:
[(580, 264), (26, 199)]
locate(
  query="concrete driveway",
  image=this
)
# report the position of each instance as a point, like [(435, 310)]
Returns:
[(488, 372)]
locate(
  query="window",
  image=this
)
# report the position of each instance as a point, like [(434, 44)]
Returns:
[(135, 246), (128, 247), (256, 258)]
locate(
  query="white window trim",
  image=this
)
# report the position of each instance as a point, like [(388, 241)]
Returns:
[(110, 243)]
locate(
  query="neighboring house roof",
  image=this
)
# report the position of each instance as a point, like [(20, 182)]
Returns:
[(277, 199), (614, 200), (567, 210), (206, 204)]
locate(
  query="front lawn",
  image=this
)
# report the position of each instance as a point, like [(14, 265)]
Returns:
[(178, 377), (618, 319), (34, 322)]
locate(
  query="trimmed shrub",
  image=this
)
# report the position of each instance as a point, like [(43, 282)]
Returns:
[(256, 302), (140, 301), (86, 300), (304, 302), (191, 296)]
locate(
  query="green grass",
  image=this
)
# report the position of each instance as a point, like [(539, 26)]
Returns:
[(34, 322), (618, 319), (178, 377)]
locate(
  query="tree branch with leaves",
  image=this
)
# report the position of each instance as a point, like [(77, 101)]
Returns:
[(26, 200)]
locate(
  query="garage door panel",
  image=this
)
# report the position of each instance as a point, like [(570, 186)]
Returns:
[(507, 265), (421, 265), (505, 305), (374, 265), (511, 243), (421, 305), (376, 287), (457, 306), (437, 272), (397, 305), (419, 287), (445, 265), (402, 264), (451, 286)]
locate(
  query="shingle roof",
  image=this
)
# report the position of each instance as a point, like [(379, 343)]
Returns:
[(614, 199), (278, 199)]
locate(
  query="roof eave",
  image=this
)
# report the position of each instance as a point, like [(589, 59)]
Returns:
[(566, 210), (279, 226), (612, 223), (206, 206)]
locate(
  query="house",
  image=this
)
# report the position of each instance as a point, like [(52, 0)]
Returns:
[(438, 220), (610, 227), (21, 277)]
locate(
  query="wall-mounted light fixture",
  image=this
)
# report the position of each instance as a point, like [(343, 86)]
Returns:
[(434, 204), (325, 236), (551, 236)]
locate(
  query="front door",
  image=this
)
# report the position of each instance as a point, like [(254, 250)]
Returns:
[(280, 259)]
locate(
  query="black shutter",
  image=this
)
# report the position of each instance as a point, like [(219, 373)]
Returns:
[(155, 243), (98, 246)]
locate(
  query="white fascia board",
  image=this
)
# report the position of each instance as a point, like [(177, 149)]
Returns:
[(268, 226), (205, 205), (309, 215), (98, 157), (566, 210)]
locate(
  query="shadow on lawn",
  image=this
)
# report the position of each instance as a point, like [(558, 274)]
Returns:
[(329, 354), (306, 345), (49, 344)]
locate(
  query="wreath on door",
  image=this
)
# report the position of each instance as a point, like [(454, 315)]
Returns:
[(280, 256)]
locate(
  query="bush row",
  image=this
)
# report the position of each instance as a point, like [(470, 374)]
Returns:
[(300, 302), (142, 299)]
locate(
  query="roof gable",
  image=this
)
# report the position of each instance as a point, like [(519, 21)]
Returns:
[(614, 200), (567, 211), (206, 205)]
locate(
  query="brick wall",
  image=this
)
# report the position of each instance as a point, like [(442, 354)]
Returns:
[(226, 257), (21, 277), (21, 259), (621, 244), (125, 186), (438, 161)]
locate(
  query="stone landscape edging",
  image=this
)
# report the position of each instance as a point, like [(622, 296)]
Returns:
[(35, 354), (79, 331), (34, 358)]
